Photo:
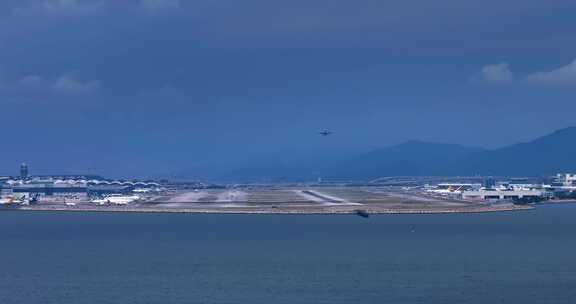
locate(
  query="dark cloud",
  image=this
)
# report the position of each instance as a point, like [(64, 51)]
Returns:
[(231, 79)]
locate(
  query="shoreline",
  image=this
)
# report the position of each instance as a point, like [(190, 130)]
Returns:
[(269, 211), (558, 202)]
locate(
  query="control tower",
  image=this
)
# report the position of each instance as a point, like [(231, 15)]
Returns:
[(24, 171)]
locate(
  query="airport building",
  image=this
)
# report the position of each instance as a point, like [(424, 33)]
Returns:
[(565, 181), (49, 191), (23, 171), (502, 194), (491, 190), (53, 188)]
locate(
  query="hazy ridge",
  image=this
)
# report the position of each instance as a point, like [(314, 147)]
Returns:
[(544, 155)]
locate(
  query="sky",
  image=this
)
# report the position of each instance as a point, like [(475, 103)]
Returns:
[(150, 88)]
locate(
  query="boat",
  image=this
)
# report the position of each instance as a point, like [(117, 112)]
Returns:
[(362, 213)]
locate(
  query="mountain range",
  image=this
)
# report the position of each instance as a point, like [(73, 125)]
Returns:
[(555, 152)]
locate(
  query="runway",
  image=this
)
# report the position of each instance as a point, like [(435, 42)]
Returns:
[(285, 200)]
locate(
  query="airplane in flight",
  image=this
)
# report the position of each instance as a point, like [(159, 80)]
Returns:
[(325, 132)]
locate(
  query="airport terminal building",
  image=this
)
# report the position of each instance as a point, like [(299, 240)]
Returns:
[(47, 188)]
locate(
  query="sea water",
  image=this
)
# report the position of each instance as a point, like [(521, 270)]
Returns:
[(510, 257)]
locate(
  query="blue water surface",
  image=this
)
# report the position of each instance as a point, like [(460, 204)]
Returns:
[(515, 257)]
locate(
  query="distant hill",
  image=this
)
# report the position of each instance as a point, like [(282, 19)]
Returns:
[(546, 155), (549, 154), (281, 170), (410, 158)]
